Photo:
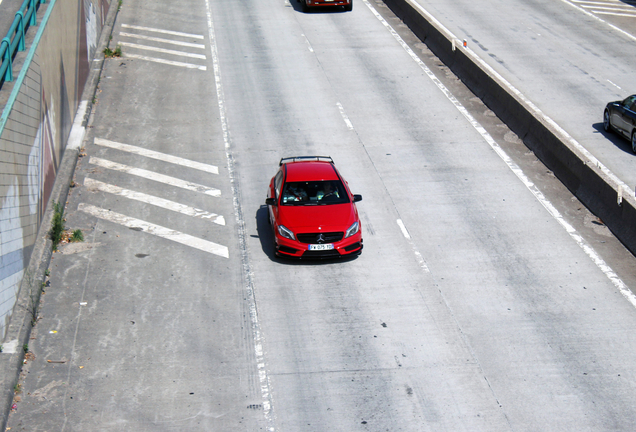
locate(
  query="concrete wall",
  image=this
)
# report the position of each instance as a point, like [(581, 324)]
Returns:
[(578, 170), (35, 125)]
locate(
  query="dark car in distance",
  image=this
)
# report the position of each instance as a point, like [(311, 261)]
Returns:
[(312, 211), (620, 116)]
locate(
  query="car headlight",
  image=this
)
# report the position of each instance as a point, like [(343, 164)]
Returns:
[(285, 232), (353, 229)]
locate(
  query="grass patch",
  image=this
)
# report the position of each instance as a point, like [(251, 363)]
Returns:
[(57, 225), (109, 53), (77, 236)]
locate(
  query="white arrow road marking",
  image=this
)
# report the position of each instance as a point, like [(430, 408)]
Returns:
[(172, 181), (163, 232), (156, 201), (156, 155)]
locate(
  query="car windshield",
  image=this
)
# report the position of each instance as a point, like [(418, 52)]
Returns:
[(314, 193), (629, 102)]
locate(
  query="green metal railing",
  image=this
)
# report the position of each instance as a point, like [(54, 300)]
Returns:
[(14, 40)]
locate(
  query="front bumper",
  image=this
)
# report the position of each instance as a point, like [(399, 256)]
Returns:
[(294, 249)]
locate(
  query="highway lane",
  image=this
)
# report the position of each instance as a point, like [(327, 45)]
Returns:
[(470, 308), (568, 57), (505, 323)]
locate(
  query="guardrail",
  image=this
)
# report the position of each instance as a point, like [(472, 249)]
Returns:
[(14, 40)]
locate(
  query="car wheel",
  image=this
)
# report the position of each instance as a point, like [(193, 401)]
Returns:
[(606, 121), (349, 7), (634, 140), (304, 5)]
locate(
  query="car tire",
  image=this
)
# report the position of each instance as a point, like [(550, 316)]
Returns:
[(349, 7), (634, 141), (606, 121), (304, 6)]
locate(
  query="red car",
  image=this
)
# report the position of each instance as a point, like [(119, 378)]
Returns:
[(346, 4), (312, 210)]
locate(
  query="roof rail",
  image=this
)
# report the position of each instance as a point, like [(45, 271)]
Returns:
[(301, 158)]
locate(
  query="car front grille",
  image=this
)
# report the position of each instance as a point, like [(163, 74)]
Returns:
[(313, 238)]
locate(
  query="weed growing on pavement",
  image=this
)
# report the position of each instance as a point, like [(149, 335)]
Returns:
[(57, 225), (25, 347), (33, 305), (77, 236), (109, 53)]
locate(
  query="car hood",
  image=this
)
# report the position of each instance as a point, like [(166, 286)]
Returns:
[(325, 218)]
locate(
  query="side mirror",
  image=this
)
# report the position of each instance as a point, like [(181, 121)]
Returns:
[(357, 198), (270, 201)]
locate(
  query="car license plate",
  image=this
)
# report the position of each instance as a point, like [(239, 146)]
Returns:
[(327, 246)]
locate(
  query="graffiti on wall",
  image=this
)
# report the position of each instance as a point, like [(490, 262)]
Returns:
[(33, 138)]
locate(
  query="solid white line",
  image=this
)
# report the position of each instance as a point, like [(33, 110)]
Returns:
[(156, 155), (614, 14), (609, 273), (344, 116), (159, 231), (168, 41), (162, 61), (174, 33), (161, 178), (583, 3), (263, 375), (155, 201), (161, 50), (611, 8)]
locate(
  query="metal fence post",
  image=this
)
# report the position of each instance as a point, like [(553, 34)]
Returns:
[(21, 45), (32, 10), (8, 75)]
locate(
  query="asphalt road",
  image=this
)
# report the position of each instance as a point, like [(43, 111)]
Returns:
[(570, 58), (486, 298)]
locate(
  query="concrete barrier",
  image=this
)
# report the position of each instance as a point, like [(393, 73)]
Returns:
[(592, 183)]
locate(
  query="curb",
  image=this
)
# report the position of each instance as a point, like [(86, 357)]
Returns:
[(19, 329), (592, 183)]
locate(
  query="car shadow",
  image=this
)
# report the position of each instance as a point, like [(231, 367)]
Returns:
[(615, 138), (295, 4), (266, 237)]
